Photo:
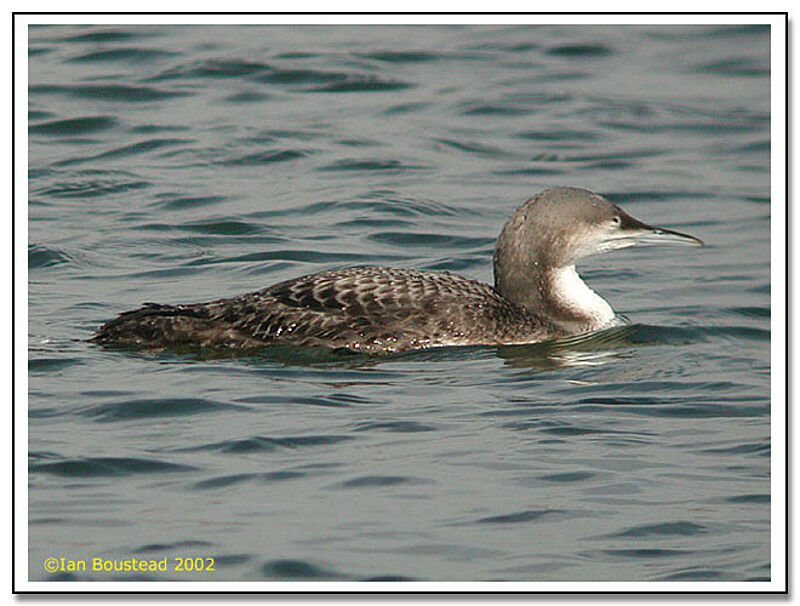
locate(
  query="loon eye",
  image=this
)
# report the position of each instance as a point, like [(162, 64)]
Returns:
[(616, 220)]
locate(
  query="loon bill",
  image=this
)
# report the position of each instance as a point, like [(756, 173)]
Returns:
[(537, 294)]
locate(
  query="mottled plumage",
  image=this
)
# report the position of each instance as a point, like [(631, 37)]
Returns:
[(537, 294), (363, 308)]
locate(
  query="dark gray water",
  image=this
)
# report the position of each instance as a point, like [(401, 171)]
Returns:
[(180, 164)]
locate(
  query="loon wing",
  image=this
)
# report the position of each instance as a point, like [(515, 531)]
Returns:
[(360, 308)]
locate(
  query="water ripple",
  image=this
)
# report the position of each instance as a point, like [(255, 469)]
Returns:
[(375, 164), (269, 444), (153, 408), (737, 66), (103, 35), (161, 547), (265, 157), (240, 478), (213, 68), (73, 126), (394, 426), (90, 188), (379, 482), (660, 531), (107, 467), (402, 56), (41, 256), (129, 55), (530, 515), (131, 149), (108, 92), (404, 239), (296, 569), (170, 202), (580, 51)]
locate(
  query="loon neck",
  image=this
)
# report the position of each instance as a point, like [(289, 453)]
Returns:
[(569, 302), (559, 295)]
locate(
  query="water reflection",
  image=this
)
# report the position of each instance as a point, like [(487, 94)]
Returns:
[(592, 349), (587, 350)]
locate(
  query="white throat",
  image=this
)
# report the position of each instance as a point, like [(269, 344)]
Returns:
[(585, 309)]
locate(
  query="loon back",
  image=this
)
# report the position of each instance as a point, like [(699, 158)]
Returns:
[(367, 309)]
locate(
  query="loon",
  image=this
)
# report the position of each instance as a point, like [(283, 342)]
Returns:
[(537, 294)]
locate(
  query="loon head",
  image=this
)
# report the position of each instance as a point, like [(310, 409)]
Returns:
[(564, 225), (536, 253)]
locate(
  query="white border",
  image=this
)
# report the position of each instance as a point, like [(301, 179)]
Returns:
[(778, 294), (778, 363), (21, 303), (421, 19)]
